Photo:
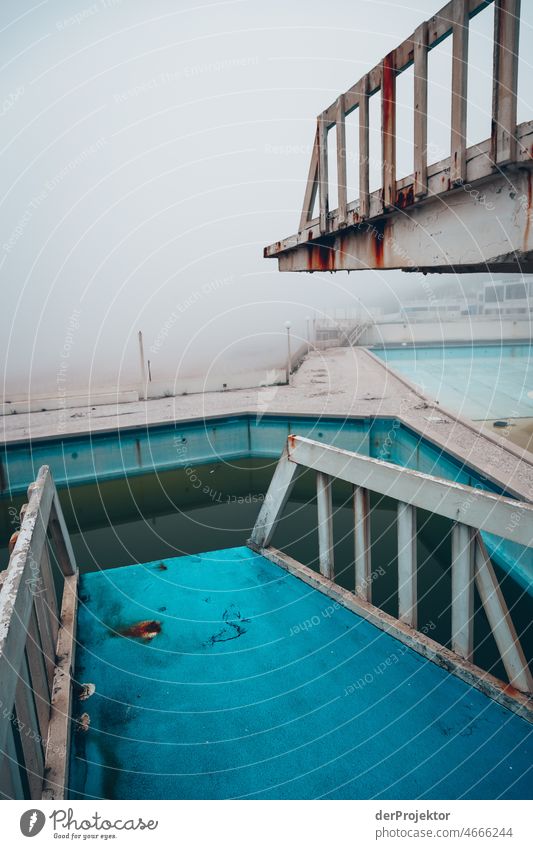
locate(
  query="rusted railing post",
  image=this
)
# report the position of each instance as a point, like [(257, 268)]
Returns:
[(505, 80)]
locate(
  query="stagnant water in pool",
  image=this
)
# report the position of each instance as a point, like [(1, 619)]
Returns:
[(213, 506)]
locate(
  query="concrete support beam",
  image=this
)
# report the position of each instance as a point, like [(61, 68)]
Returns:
[(464, 233)]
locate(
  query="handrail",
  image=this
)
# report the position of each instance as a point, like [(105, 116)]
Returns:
[(451, 21), (36, 650), (352, 236), (471, 510)]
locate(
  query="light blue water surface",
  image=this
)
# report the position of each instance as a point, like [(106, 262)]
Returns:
[(476, 381)]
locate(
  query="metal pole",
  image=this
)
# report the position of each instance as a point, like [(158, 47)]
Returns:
[(308, 321), (143, 367), (288, 369)]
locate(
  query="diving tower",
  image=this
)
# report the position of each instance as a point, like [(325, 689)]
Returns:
[(469, 212)]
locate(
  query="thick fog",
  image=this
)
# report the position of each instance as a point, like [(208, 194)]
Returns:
[(150, 150)]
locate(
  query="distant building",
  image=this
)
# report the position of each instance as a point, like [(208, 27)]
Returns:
[(502, 298), (495, 298)]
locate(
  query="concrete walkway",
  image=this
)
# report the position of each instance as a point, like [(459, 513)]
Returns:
[(338, 382)]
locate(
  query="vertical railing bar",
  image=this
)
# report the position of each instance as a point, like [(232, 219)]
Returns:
[(58, 742), (311, 186), (505, 81), (388, 130), (324, 502), (272, 507), (44, 627), (38, 676), (500, 621), (407, 565), (341, 159), (61, 539), (420, 101), (463, 591), (459, 91), (30, 737), (364, 146), (323, 172), (363, 564), (11, 767), (49, 591)]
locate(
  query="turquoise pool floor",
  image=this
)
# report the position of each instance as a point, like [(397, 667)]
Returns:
[(255, 685), (477, 381)]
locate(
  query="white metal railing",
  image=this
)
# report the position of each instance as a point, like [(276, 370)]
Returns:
[(471, 511), (451, 21), (357, 332), (363, 232), (37, 650)]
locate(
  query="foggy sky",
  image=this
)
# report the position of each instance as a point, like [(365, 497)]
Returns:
[(150, 150)]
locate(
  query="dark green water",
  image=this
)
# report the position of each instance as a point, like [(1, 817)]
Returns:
[(214, 506)]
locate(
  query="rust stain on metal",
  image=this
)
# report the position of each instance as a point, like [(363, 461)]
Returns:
[(509, 690), (321, 257), (388, 86), (12, 542), (146, 630), (405, 198), (377, 236), (388, 99), (161, 567)]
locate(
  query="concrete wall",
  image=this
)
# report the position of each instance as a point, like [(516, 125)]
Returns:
[(158, 389), (476, 330)]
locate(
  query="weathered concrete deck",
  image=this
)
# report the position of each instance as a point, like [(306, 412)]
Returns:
[(338, 382), (253, 684)]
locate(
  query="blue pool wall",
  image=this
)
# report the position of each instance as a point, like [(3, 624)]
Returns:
[(97, 457), (104, 456)]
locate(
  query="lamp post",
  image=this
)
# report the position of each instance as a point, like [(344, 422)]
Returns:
[(142, 393), (308, 321), (288, 369)]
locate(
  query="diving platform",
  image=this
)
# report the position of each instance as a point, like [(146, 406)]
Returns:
[(446, 216), (222, 675)]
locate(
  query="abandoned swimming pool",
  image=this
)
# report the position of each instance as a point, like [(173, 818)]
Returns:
[(491, 383), (121, 456), (135, 495), (157, 634), (251, 684)]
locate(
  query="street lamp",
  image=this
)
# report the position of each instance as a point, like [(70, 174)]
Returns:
[(308, 321), (288, 326), (143, 392)]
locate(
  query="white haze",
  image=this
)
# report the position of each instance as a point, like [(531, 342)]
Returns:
[(151, 149)]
